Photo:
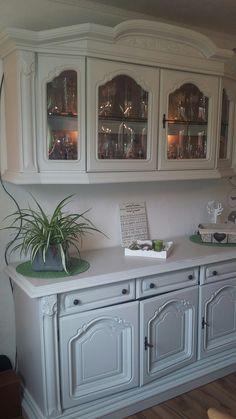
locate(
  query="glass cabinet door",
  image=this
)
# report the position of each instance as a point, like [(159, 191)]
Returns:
[(61, 113), (226, 124), (122, 119), (121, 127), (187, 123), (187, 105)]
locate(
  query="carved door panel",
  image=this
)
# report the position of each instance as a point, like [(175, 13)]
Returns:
[(98, 353), (217, 317), (168, 336)]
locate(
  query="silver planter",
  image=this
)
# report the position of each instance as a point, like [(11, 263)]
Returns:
[(52, 262)]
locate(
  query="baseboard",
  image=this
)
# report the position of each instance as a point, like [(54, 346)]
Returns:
[(140, 398)]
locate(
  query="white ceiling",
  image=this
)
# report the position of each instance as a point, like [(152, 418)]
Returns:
[(210, 15)]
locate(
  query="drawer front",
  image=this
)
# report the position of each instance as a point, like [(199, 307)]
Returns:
[(156, 284), (217, 271), (101, 296)]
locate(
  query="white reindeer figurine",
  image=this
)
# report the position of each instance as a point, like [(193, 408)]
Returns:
[(214, 208)]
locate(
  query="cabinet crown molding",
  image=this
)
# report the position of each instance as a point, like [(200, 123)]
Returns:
[(171, 33), (144, 34)]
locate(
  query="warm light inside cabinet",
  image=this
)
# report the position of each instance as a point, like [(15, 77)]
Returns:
[(63, 145)]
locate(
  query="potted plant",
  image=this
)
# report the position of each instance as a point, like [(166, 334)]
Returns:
[(47, 239)]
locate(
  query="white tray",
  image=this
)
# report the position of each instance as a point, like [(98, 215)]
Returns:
[(168, 246)]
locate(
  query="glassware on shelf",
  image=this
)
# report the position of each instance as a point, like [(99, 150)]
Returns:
[(187, 144), (181, 116), (187, 123), (105, 108), (122, 97), (126, 109), (122, 119), (144, 104), (187, 103), (122, 142), (63, 146), (181, 144), (200, 144), (62, 111), (62, 94), (202, 109)]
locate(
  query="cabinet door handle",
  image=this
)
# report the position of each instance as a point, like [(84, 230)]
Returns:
[(147, 344), (76, 302), (190, 276), (124, 291), (164, 120), (152, 285), (204, 323), (214, 273)]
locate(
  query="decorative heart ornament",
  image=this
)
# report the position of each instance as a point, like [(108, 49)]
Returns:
[(219, 237)]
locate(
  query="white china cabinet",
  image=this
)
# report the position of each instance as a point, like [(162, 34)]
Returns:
[(119, 337), (85, 104)]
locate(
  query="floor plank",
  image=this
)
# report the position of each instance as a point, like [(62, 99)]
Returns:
[(220, 394)]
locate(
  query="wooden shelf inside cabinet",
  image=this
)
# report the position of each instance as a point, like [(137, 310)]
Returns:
[(62, 117), (63, 122), (121, 120), (182, 122)]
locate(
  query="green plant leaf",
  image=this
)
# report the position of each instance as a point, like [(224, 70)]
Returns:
[(36, 231)]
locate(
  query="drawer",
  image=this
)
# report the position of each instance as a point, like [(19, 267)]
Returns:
[(217, 271), (157, 284), (101, 296)]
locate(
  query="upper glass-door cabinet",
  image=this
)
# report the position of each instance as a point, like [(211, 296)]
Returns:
[(188, 121), (228, 100), (61, 114), (121, 110)]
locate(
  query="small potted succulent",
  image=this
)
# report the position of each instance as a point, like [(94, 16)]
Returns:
[(47, 239)]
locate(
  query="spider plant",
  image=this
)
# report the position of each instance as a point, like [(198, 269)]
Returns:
[(36, 232)]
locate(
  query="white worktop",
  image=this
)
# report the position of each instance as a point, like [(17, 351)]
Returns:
[(111, 265)]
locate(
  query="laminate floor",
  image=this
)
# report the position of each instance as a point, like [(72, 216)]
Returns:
[(220, 394)]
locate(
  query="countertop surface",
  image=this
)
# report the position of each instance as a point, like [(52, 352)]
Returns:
[(109, 265)]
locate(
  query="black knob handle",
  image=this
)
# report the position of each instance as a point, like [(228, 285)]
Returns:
[(214, 273), (76, 302), (124, 291), (190, 276), (152, 285)]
